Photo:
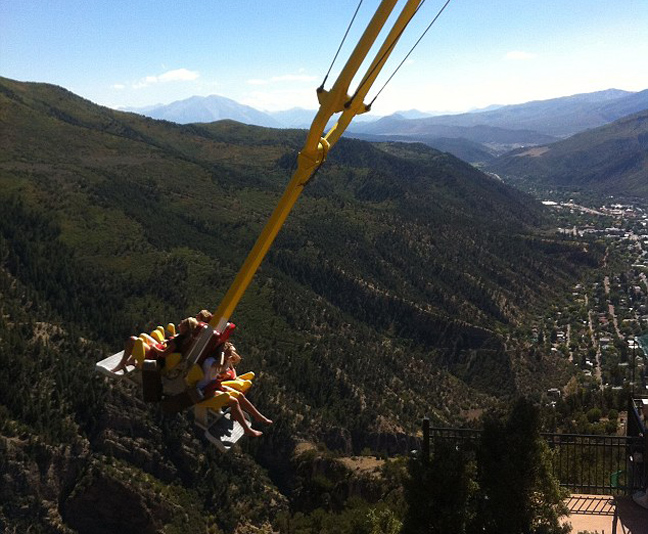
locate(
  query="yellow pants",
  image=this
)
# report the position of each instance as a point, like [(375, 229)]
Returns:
[(240, 383), (238, 387)]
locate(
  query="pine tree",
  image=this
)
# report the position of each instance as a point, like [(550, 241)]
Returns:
[(518, 493), (439, 495)]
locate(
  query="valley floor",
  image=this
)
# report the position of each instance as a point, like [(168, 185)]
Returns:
[(600, 327)]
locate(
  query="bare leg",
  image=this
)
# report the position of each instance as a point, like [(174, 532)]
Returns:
[(238, 416), (251, 409), (128, 350)]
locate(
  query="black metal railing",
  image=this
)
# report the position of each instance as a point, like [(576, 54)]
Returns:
[(636, 429), (592, 464), (636, 425)]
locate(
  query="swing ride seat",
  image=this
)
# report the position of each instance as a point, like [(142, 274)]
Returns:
[(107, 365), (212, 415), (224, 432), (206, 341), (220, 429)]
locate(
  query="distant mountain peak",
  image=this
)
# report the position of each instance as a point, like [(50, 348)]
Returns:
[(413, 114), (208, 109)]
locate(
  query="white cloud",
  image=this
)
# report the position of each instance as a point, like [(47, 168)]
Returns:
[(118, 86), (177, 75), (517, 55), (293, 78)]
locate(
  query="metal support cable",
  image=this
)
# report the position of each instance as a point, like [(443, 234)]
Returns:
[(341, 43), (411, 50), (385, 53)]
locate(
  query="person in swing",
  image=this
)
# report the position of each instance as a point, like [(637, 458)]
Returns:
[(223, 377), (145, 347)]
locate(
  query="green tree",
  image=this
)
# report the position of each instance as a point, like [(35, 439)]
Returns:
[(594, 415), (518, 493), (439, 494)]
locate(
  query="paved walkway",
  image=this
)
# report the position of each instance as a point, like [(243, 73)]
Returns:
[(606, 514)]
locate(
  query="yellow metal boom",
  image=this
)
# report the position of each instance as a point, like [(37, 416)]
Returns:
[(317, 145)]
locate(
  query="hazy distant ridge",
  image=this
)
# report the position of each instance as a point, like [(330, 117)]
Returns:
[(557, 117), (611, 159)]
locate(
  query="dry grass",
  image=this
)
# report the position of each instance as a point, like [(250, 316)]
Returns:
[(533, 152)]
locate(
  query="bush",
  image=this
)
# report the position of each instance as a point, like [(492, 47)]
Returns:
[(594, 415)]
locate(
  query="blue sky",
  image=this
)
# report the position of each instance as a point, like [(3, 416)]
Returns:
[(273, 54)]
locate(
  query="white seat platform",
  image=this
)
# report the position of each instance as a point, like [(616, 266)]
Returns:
[(224, 432), (106, 365)]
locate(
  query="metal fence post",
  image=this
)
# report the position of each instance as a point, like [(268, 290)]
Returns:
[(425, 449)]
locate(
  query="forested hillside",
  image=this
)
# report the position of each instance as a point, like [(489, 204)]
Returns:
[(393, 291), (612, 160)]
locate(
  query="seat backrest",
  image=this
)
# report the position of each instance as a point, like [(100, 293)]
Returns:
[(199, 344), (158, 334), (206, 344), (194, 375)]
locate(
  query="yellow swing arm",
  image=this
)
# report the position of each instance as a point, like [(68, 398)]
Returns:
[(317, 145)]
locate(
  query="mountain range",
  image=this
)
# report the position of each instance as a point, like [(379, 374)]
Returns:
[(609, 160), (557, 117), (478, 136), (201, 109)]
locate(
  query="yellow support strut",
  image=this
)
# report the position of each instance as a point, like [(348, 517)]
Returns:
[(316, 146)]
